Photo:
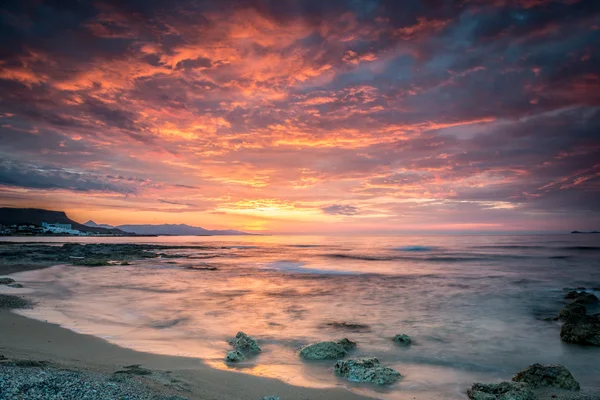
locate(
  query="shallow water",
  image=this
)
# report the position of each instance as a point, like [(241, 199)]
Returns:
[(473, 304)]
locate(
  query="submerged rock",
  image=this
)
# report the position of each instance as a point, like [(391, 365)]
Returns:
[(234, 356), (366, 370), (538, 375), (403, 339), (15, 285), (582, 330), (349, 326), (243, 342), (572, 310), (6, 281), (500, 391)]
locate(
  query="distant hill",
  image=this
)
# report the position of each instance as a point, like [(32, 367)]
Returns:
[(35, 216), (585, 232), (176, 230), (92, 224)]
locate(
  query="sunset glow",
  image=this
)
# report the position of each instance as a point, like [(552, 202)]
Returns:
[(304, 116)]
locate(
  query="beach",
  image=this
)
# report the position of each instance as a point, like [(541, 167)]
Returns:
[(26, 339), (476, 312)]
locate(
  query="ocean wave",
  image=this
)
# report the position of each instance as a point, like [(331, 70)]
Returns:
[(361, 257), (298, 267), (510, 246), (440, 258), (582, 248), (168, 323), (414, 248)]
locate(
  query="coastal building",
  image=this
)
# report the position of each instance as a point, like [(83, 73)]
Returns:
[(60, 228)]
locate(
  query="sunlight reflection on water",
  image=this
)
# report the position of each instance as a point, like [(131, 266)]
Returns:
[(472, 304)]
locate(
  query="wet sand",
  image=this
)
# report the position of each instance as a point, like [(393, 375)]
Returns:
[(22, 338)]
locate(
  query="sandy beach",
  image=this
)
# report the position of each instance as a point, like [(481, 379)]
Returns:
[(26, 339)]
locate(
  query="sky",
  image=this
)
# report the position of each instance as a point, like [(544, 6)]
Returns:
[(306, 116)]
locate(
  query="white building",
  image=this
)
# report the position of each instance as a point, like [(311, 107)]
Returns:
[(59, 228)]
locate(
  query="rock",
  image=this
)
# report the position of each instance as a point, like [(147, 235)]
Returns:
[(322, 351), (347, 344), (571, 310), (403, 339), (134, 370), (581, 297), (586, 298), (234, 356), (572, 294), (500, 391), (8, 301), (29, 363), (6, 281), (366, 370), (270, 398), (538, 375), (91, 262), (243, 342), (15, 285), (582, 330), (348, 326)]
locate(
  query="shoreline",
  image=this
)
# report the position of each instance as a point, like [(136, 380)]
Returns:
[(29, 339), (26, 338)]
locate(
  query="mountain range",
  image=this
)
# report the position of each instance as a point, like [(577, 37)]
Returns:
[(35, 216), (167, 229)]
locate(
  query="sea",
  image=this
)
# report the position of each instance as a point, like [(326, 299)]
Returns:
[(474, 305)]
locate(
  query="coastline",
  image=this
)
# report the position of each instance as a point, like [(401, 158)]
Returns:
[(60, 349), (28, 339), (181, 378)]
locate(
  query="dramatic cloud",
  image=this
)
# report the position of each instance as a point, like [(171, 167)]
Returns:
[(276, 115)]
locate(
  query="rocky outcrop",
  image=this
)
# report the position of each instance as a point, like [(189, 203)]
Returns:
[(245, 343), (538, 375), (366, 370), (234, 356), (572, 310), (582, 330), (403, 339), (326, 350), (500, 391), (6, 281)]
